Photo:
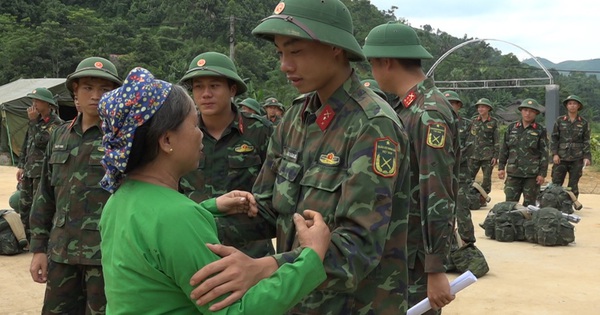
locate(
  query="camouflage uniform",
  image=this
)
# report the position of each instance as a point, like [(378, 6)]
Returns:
[(345, 159), (571, 142), (433, 132), (524, 153), (65, 215), (486, 143), (31, 159), (466, 230), (231, 163)]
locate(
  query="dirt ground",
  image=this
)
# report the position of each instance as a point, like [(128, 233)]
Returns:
[(524, 278)]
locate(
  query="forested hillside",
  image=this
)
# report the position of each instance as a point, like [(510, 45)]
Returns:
[(47, 38)]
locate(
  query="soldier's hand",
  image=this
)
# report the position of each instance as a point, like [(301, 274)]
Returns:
[(39, 267), (501, 174), (20, 175), (237, 201), (539, 180), (556, 159), (32, 113), (234, 273), (587, 162), (312, 232), (438, 290)]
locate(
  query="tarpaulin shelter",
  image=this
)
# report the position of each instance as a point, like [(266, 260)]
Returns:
[(13, 108)]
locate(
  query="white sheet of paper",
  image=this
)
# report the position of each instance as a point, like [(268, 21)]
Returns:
[(461, 282)]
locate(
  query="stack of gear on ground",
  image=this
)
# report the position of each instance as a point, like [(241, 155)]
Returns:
[(558, 197), (509, 221)]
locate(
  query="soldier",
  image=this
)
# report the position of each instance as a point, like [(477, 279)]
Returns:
[(373, 85), (342, 152), (69, 201), (235, 143), (395, 53), (250, 106), (570, 145), (274, 110), (524, 153), (43, 118), (463, 213), (486, 141)]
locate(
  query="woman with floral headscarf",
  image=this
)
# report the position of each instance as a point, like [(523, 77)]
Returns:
[(153, 237)]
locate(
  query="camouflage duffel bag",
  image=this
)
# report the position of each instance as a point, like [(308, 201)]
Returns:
[(504, 222), (469, 257), (552, 228)]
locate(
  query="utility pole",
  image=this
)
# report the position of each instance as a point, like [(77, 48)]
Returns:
[(232, 37)]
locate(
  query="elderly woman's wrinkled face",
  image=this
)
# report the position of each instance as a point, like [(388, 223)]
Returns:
[(187, 142)]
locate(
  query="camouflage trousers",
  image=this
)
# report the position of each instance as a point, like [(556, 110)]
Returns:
[(464, 223), (514, 186), (27, 188), (486, 167), (417, 286), (74, 289), (559, 172)]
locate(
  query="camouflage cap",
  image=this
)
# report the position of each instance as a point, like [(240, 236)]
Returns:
[(43, 94), (252, 104), (373, 85), (15, 200), (573, 98), (394, 40), (214, 64), (271, 101), (486, 102), (95, 67), (530, 103), (328, 22), (452, 96)]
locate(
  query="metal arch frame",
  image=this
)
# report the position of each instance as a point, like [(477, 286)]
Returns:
[(503, 83)]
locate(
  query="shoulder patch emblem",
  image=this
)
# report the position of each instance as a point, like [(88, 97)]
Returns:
[(385, 156), (436, 135), (244, 148), (329, 159)]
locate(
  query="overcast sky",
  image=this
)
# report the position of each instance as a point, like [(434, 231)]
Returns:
[(557, 30)]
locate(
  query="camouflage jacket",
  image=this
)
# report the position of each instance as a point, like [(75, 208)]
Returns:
[(34, 146), (486, 141), (232, 162), (571, 140), (466, 147), (346, 159), (275, 121), (68, 204), (524, 151), (432, 127)]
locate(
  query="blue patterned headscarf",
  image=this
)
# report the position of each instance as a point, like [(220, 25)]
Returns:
[(122, 111)]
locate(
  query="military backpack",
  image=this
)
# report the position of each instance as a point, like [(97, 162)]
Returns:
[(8, 241), (558, 197), (504, 222), (549, 227)]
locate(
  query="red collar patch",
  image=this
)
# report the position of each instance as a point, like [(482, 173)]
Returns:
[(325, 118), (407, 101)]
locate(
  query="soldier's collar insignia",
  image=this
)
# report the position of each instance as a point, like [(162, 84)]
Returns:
[(518, 124), (565, 117), (244, 148), (325, 118), (385, 157), (329, 159), (46, 119), (98, 65), (534, 125), (436, 135), (407, 101)]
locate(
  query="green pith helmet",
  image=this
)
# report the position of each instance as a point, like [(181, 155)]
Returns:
[(252, 104), (96, 67), (486, 102), (530, 103), (452, 96), (327, 21), (214, 64), (271, 101), (573, 98), (394, 40), (373, 85), (15, 200), (43, 94)]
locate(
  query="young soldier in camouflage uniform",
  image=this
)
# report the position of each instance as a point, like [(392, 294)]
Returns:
[(68, 204), (235, 143), (570, 145), (373, 85), (42, 120), (394, 52), (342, 152), (250, 105), (463, 213), (524, 153), (274, 110), (486, 144)]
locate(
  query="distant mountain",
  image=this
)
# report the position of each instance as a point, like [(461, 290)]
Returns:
[(592, 65)]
